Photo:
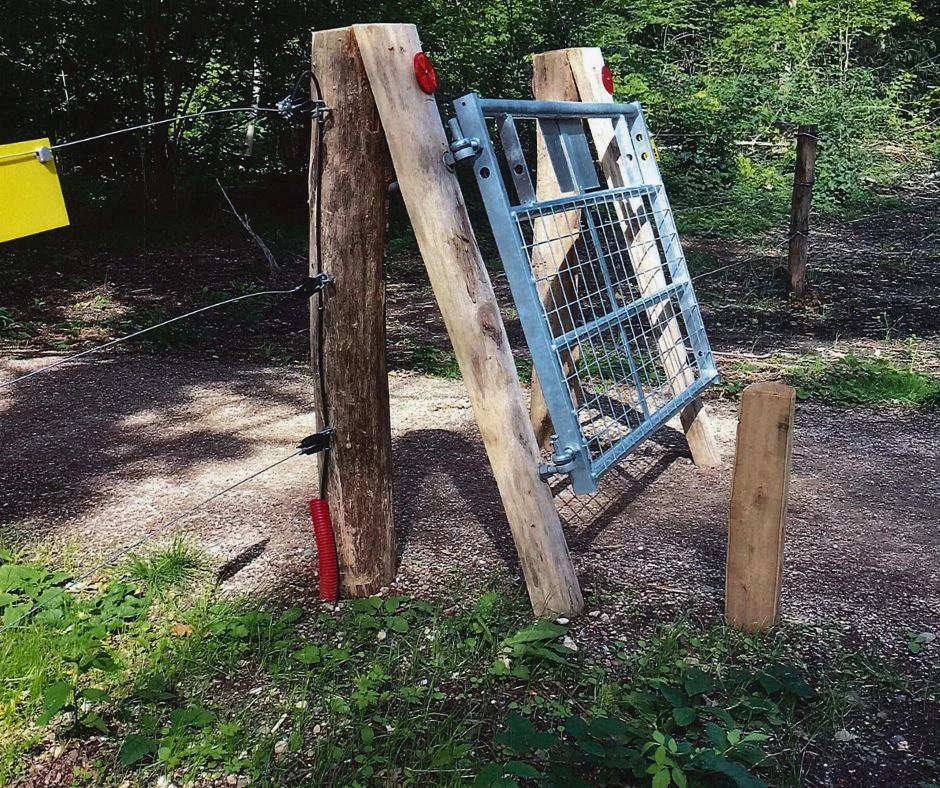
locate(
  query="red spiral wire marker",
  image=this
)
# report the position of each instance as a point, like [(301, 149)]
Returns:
[(425, 73), (607, 77), (326, 549)]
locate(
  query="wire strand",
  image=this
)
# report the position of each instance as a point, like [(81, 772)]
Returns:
[(141, 126), (113, 342), (317, 163), (116, 556)]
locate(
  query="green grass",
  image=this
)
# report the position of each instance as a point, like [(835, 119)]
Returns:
[(850, 379), (160, 675), (863, 380), (441, 363), (160, 570), (11, 327)]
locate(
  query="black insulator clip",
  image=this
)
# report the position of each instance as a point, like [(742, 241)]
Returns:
[(314, 444), (300, 108), (311, 285)]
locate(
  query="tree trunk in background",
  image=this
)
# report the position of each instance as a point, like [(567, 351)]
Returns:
[(161, 181)]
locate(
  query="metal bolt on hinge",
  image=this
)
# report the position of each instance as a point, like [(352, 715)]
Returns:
[(462, 147), (562, 462)]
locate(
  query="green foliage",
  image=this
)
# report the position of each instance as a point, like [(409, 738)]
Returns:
[(394, 688), (435, 361), (681, 730), (161, 569), (441, 363), (13, 328), (522, 651), (724, 83), (862, 380)]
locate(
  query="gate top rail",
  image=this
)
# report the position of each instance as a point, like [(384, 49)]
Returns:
[(519, 108)]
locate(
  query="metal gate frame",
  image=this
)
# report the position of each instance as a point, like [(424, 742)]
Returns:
[(568, 149)]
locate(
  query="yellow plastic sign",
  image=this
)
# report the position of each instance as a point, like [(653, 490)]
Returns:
[(30, 195)]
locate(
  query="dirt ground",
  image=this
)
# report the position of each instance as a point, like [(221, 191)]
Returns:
[(148, 437), (99, 451)]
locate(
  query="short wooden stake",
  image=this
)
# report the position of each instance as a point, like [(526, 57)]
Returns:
[(585, 65), (356, 174), (757, 520), (462, 286), (799, 207)]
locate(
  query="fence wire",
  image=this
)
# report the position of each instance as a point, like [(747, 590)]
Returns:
[(119, 340)]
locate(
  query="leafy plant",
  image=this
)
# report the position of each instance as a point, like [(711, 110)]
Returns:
[(863, 380), (531, 645), (13, 328)]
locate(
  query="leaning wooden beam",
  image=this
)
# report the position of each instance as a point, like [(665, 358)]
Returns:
[(552, 80), (586, 64), (464, 292), (352, 202), (758, 514)]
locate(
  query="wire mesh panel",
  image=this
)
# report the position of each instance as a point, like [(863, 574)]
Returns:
[(598, 275)]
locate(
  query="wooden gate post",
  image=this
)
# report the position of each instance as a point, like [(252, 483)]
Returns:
[(356, 174), (799, 208), (551, 81), (757, 519), (462, 286), (585, 64)]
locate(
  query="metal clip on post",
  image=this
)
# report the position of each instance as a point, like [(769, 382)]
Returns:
[(462, 147), (297, 110), (311, 285), (314, 444)]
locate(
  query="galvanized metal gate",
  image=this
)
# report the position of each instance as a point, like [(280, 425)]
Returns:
[(598, 275)]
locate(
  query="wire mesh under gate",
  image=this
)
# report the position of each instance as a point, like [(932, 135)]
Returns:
[(596, 271)]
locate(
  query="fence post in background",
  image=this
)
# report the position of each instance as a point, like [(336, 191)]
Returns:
[(586, 65), (757, 518), (799, 208), (462, 286), (352, 202)]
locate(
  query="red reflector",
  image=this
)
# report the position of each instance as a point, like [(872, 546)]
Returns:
[(608, 79), (424, 71)]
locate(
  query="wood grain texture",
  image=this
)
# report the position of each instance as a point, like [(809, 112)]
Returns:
[(758, 514), (464, 292), (355, 180), (552, 81), (803, 175), (586, 64)]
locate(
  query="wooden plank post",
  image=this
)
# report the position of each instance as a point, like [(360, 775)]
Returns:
[(462, 286), (799, 208), (586, 65), (757, 519), (352, 201), (551, 81)]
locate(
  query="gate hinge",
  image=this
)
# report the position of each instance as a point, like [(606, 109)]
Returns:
[(562, 462), (461, 147)]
